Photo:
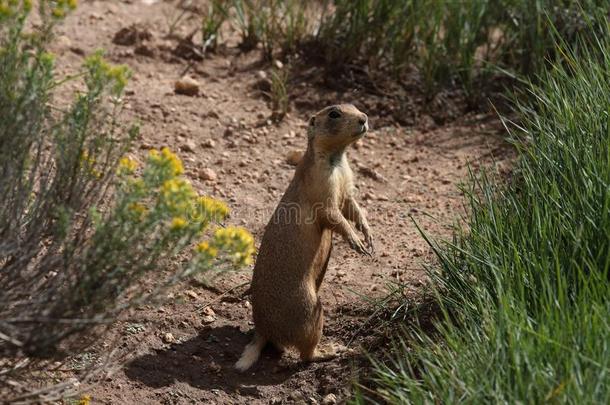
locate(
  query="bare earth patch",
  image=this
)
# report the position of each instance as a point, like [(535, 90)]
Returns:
[(183, 352)]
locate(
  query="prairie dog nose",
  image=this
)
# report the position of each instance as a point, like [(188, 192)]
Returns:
[(363, 119)]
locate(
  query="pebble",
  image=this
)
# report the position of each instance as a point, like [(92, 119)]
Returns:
[(208, 143), (207, 174), (187, 86), (329, 399), (188, 146), (168, 338), (191, 293), (208, 319)]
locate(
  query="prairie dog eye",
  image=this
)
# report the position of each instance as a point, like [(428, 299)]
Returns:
[(312, 121), (334, 114)]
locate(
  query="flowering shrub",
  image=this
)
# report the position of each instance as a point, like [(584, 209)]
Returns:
[(81, 223)]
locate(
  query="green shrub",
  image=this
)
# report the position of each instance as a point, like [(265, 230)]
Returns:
[(448, 41), (524, 288), (278, 25), (81, 225)]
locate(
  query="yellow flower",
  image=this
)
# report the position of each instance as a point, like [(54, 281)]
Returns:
[(88, 162), (138, 210), (238, 242), (178, 223), (166, 159), (208, 207), (58, 12), (85, 400), (72, 4), (127, 165), (174, 161), (207, 250)]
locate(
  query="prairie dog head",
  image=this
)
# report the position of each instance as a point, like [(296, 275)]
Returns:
[(337, 126)]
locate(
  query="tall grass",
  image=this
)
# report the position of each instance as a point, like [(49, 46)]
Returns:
[(525, 289), (448, 41)]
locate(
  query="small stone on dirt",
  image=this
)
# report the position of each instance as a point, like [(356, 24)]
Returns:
[(208, 319), (369, 196), (191, 293), (188, 146), (168, 338), (131, 35), (373, 174), (208, 311), (187, 86), (214, 367), (294, 157), (208, 143), (207, 174), (145, 50), (329, 399), (261, 74)]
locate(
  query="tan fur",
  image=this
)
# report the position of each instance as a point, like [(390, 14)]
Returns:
[(297, 243)]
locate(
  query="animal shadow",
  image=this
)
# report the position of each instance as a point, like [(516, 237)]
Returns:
[(206, 362)]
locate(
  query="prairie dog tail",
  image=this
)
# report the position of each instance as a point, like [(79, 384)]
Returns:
[(251, 353)]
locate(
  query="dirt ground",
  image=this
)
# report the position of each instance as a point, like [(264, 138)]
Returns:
[(402, 171)]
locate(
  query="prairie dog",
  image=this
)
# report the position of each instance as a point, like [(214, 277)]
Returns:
[(297, 242)]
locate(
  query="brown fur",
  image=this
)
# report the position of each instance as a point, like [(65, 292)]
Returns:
[(297, 243)]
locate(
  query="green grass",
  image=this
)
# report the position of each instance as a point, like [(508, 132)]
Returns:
[(449, 42), (524, 289)]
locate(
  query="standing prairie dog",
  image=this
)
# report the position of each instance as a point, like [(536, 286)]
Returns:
[(297, 242)]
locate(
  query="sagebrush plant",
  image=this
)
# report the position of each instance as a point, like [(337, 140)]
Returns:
[(81, 223), (524, 289)]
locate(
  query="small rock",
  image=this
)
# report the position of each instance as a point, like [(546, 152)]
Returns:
[(214, 367), (208, 319), (207, 174), (145, 50), (261, 74), (131, 35), (329, 399), (191, 293), (62, 42), (275, 400), (369, 196), (208, 143), (208, 311), (188, 146), (168, 338), (187, 86), (278, 64), (294, 157), (373, 174)]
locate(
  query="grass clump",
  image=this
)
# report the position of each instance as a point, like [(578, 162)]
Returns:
[(82, 223), (524, 290)]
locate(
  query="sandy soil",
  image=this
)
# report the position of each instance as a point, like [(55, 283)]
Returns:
[(402, 172)]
